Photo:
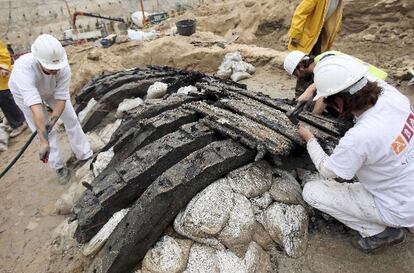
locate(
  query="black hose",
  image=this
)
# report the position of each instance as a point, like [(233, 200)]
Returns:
[(22, 150)]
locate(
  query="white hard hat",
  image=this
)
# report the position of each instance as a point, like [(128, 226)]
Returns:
[(339, 73), (292, 60), (49, 52)]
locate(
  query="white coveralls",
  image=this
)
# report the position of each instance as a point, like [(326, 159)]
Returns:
[(29, 86), (379, 151)]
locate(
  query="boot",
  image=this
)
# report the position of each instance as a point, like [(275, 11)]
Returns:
[(390, 236), (62, 175)]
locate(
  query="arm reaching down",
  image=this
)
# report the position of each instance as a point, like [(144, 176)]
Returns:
[(316, 153), (39, 120)]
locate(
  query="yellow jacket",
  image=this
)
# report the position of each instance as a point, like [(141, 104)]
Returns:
[(308, 21), (5, 63)]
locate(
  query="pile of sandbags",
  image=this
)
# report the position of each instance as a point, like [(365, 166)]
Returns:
[(233, 67)]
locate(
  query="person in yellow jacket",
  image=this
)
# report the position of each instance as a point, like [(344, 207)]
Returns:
[(315, 24), (302, 66), (10, 110)]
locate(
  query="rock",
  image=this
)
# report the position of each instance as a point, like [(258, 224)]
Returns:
[(251, 180), (207, 213), (202, 259), (102, 160), (82, 114), (157, 90), (288, 226), (285, 188), (262, 202), (84, 170), (106, 133), (95, 141), (369, 37), (102, 236), (63, 236), (411, 230), (257, 260), (64, 205), (187, 89), (228, 262), (262, 237), (127, 105), (169, 255), (238, 232)]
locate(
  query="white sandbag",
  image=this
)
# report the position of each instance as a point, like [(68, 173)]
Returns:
[(82, 114), (102, 160), (4, 138), (95, 141), (138, 35), (243, 67), (238, 76), (224, 74), (127, 105), (233, 56), (157, 90), (96, 243), (106, 133), (187, 89)]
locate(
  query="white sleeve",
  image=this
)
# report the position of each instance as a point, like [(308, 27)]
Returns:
[(345, 161), (62, 84), (25, 83), (319, 157)]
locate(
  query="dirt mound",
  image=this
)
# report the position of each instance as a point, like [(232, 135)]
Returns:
[(203, 52)]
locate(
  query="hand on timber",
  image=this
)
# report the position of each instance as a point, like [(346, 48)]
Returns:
[(4, 72), (305, 133), (307, 97), (294, 42), (44, 150)]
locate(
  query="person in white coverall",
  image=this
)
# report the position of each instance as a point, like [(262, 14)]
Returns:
[(44, 75), (378, 150)]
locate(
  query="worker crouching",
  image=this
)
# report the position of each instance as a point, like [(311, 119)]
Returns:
[(44, 75), (378, 150)]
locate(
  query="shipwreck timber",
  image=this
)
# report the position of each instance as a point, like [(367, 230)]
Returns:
[(170, 149)]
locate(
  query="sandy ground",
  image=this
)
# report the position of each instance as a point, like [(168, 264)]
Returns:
[(28, 192)]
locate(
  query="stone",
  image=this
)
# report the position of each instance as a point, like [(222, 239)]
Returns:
[(92, 102), (262, 237), (202, 259), (106, 133), (83, 170), (251, 180), (285, 188), (169, 255), (288, 226), (102, 160), (127, 105), (102, 236), (207, 213), (157, 90), (163, 200), (228, 262), (95, 141), (237, 234), (262, 202), (64, 205), (257, 260)]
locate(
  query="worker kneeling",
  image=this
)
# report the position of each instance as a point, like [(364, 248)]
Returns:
[(378, 150), (44, 75)]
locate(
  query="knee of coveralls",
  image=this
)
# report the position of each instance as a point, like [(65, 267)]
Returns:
[(314, 193)]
